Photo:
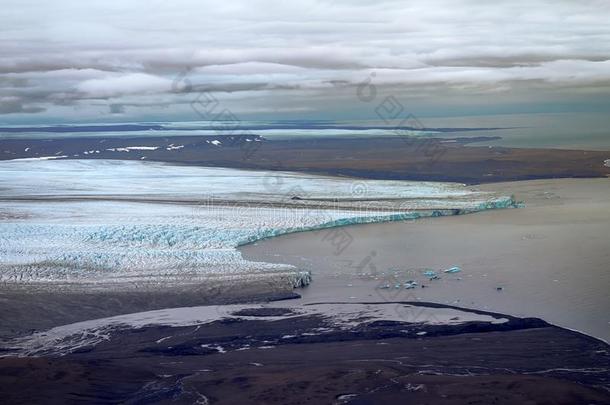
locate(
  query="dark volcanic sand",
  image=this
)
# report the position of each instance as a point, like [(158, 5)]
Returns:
[(518, 362), (25, 310), (430, 159)]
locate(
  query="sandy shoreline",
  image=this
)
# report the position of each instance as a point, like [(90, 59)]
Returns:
[(547, 260)]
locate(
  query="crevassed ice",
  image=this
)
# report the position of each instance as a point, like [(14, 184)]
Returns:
[(181, 223)]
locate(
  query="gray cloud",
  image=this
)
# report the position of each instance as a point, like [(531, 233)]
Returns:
[(14, 105), (117, 109), (69, 54)]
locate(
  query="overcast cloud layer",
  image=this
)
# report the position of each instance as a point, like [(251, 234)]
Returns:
[(131, 59)]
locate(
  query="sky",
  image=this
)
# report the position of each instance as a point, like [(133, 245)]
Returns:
[(119, 61)]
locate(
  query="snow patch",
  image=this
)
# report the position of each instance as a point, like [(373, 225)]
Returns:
[(130, 148), (339, 316), (37, 158)]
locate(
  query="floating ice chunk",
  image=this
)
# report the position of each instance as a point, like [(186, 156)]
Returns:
[(454, 269), (431, 274)]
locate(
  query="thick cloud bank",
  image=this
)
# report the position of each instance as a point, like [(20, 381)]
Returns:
[(100, 57)]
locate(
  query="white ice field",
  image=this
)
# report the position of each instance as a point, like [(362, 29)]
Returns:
[(131, 224)]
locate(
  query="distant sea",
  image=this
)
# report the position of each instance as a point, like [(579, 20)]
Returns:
[(556, 130)]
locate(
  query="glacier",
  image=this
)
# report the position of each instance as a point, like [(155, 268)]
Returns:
[(136, 224)]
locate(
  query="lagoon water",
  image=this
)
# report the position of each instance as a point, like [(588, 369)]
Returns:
[(549, 259)]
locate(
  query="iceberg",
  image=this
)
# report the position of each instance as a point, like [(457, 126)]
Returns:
[(454, 269), (431, 274)]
